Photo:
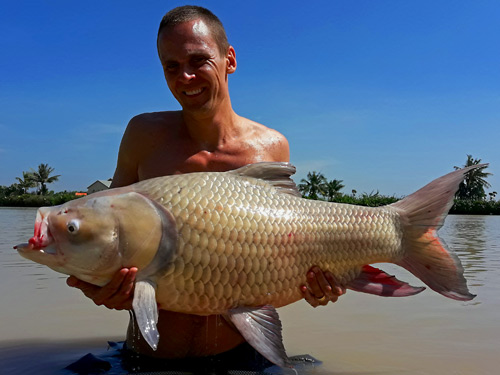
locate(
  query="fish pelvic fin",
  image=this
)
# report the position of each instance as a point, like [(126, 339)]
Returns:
[(146, 311), (426, 256), (261, 328)]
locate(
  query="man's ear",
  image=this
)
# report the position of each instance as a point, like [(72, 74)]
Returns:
[(230, 60)]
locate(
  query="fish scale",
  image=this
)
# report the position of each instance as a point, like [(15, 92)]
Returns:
[(242, 242)]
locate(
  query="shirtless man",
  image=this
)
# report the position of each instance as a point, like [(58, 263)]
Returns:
[(206, 135)]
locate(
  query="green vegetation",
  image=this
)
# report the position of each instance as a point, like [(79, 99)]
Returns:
[(42, 177), (314, 186), (33, 200), (470, 198), (26, 182), (475, 207), (472, 187), (19, 195)]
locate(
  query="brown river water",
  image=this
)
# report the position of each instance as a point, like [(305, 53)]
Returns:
[(45, 325)]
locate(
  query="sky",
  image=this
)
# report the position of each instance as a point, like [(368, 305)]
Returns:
[(383, 95)]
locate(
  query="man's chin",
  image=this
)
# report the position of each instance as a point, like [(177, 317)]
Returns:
[(203, 109)]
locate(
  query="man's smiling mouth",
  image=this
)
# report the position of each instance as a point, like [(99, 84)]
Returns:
[(193, 92)]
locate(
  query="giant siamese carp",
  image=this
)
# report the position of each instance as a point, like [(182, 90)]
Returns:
[(240, 243)]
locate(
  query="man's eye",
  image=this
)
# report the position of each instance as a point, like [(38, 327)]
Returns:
[(199, 60), (171, 66)]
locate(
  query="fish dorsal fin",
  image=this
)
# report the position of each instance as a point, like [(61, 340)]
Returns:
[(275, 173)]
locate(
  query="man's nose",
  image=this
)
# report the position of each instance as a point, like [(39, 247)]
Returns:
[(187, 76)]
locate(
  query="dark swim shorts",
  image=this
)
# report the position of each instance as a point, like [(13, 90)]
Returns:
[(242, 360)]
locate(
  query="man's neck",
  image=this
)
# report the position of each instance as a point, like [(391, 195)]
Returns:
[(211, 131)]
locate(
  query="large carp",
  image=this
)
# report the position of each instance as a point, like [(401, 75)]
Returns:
[(239, 243)]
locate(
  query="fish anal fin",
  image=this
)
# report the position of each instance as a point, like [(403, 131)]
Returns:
[(146, 311), (372, 280), (261, 328)]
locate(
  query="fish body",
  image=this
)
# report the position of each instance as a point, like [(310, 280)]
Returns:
[(242, 242), (239, 243)]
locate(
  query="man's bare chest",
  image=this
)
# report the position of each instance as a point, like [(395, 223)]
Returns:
[(177, 161)]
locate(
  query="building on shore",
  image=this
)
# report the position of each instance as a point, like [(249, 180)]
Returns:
[(99, 185)]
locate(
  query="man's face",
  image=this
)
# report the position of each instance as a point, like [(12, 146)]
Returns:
[(194, 68)]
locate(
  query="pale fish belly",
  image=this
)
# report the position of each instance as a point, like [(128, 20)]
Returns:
[(242, 243)]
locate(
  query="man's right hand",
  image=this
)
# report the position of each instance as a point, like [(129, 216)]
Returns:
[(117, 294)]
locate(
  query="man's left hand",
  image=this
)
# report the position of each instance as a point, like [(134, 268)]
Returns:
[(321, 288)]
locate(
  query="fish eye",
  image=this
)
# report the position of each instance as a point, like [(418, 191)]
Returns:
[(73, 226)]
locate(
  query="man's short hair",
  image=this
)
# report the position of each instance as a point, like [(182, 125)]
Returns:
[(188, 13)]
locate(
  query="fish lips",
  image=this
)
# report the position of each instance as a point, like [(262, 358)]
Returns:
[(28, 247), (32, 252)]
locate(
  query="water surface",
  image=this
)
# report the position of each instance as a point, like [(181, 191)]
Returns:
[(45, 325)]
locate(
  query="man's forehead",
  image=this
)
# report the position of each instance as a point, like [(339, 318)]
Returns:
[(201, 28), (187, 38), (197, 29)]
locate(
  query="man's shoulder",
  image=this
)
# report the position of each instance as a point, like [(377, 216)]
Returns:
[(153, 125), (259, 130), (269, 143), (156, 118)]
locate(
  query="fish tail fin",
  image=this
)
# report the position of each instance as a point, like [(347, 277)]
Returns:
[(426, 256)]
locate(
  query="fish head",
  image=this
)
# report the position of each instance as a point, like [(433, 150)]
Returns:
[(93, 237), (77, 238)]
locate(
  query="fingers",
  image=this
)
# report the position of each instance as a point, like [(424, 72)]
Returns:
[(338, 288), (321, 288), (117, 294), (309, 297)]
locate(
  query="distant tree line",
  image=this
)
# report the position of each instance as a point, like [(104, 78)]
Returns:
[(21, 194), (470, 198), (38, 179)]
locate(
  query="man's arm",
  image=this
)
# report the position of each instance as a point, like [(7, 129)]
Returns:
[(126, 171)]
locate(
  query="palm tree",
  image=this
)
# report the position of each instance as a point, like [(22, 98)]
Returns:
[(473, 186), (26, 182), (333, 188), (42, 177), (313, 186)]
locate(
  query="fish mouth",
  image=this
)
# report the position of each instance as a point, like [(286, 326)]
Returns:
[(42, 239), (28, 247)]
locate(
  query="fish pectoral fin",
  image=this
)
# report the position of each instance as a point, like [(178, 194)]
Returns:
[(146, 311), (374, 281), (261, 328)]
